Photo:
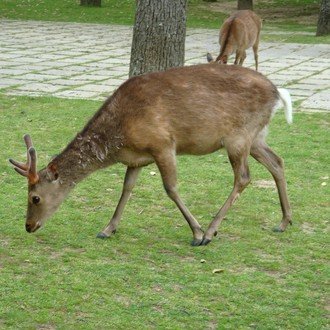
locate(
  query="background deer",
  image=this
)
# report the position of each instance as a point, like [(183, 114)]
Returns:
[(154, 117), (238, 33)]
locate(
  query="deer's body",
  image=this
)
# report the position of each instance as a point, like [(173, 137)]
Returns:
[(154, 117), (238, 33)]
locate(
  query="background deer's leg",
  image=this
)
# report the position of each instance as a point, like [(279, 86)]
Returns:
[(263, 154), (255, 51), (166, 163), (237, 56), (240, 167), (242, 57), (129, 183)]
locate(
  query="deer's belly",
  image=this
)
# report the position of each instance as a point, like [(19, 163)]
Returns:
[(199, 147)]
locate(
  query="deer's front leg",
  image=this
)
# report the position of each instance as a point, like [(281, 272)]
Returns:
[(129, 183)]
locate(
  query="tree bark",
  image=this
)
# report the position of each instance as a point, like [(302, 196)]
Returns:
[(158, 36), (245, 4), (92, 3), (323, 24)]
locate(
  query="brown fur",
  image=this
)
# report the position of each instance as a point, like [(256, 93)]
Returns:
[(152, 118), (238, 33)]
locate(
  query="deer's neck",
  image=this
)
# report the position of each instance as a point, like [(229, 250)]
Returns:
[(80, 159), (95, 147)]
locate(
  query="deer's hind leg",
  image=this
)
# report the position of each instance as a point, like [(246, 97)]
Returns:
[(266, 156), (238, 156), (240, 57)]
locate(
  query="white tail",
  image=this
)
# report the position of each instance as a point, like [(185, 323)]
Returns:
[(286, 99)]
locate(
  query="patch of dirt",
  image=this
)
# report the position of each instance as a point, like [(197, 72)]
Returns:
[(230, 237), (157, 288), (222, 7), (4, 242), (266, 184), (56, 255), (125, 301), (266, 256), (305, 15), (45, 327), (307, 228)]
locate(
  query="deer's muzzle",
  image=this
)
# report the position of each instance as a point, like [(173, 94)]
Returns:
[(32, 227)]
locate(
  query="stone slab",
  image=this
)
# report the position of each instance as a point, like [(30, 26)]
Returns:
[(319, 100)]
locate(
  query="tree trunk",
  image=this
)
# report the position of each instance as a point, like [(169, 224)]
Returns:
[(245, 4), (158, 36), (92, 3), (323, 24)]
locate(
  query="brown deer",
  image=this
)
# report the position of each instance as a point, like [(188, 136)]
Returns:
[(150, 118), (238, 33)]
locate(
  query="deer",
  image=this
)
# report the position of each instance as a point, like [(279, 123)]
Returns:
[(238, 33), (153, 118)]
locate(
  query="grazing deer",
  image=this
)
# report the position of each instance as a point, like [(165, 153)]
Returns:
[(150, 118), (238, 33)]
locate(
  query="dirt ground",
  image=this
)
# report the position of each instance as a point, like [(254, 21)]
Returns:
[(306, 15)]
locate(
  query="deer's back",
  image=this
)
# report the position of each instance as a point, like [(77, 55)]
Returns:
[(241, 29)]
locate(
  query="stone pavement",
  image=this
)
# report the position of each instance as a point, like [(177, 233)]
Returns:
[(89, 61)]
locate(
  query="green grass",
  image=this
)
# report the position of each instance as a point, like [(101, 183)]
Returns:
[(111, 12), (278, 15), (148, 276)]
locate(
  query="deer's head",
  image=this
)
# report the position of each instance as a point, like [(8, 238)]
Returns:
[(45, 190)]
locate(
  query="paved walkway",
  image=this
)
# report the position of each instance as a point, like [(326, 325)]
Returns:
[(89, 61)]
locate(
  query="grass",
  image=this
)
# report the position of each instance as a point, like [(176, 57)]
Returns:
[(148, 276), (292, 16), (111, 12)]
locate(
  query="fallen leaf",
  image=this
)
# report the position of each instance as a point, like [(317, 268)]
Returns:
[(216, 271)]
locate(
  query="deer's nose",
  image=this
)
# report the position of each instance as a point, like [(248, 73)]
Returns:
[(32, 227), (28, 227)]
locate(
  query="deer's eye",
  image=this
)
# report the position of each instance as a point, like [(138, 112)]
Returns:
[(35, 199)]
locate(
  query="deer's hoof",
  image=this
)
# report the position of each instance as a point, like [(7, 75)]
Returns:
[(205, 241), (196, 242), (102, 235), (278, 230)]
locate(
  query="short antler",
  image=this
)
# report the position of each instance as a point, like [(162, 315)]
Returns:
[(28, 169)]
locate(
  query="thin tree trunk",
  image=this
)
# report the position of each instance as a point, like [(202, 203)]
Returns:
[(323, 24), (158, 36), (245, 4)]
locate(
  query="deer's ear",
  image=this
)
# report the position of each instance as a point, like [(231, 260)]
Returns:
[(209, 58), (52, 172)]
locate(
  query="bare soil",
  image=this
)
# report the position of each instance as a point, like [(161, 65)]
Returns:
[(305, 15)]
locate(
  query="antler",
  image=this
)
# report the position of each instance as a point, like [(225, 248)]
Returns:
[(29, 169)]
